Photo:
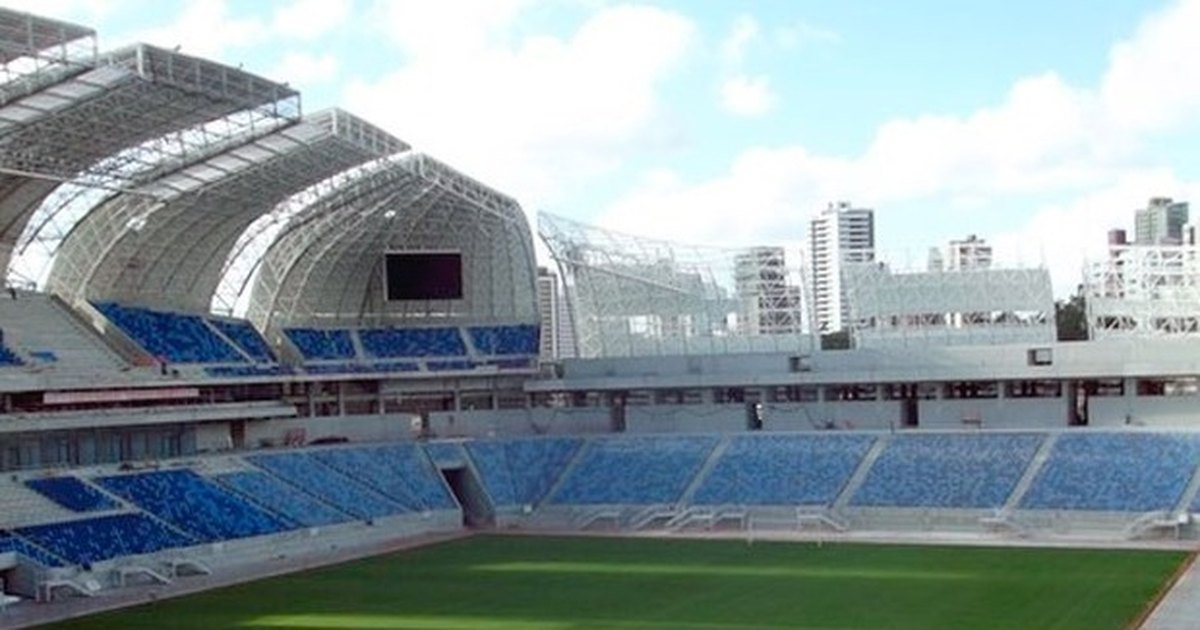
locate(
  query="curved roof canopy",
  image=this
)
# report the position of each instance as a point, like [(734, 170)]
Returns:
[(326, 265), (78, 129), (165, 243)]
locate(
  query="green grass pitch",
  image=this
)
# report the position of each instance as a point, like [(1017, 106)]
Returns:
[(531, 583)]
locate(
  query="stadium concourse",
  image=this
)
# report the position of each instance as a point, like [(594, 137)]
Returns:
[(240, 338)]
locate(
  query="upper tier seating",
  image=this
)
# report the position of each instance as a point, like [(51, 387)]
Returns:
[(520, 471), (283, 499), (194, 504), (72, 494), (401, 472), (173, 337), (782, 469), (333, 488), (412, 342), (948, 470), (503, 340), (12, 544), (321, 345), (1126, 472), (246, 337), (40, 329), (635, 470), (103, 537)]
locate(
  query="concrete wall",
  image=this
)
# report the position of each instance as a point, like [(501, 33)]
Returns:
[(539, 421), (367, 428)]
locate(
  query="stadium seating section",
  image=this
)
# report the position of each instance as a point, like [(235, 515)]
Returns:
[(246, 338), (347, 495), (285, 500), (504, 340), (782, 470), (1129, 472), (172, 337), (634, 470), (12, 544), (401, 472), (388, 343), (948, 470), (317, 345), (72, 494), (194, 504), (94, 539), (520, 471)]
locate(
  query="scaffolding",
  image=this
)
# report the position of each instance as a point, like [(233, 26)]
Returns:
[(634, 296), (1144, 291)]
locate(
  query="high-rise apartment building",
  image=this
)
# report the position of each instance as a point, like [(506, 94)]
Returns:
[(968, 254), (838, 235), (1161, 222)]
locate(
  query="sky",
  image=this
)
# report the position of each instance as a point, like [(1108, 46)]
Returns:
[(1036, 125)]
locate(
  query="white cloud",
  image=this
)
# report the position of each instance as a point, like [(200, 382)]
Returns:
[(300, 68), (536, 115), (747, 96), (744, 31), (309, 19), (1045, 138), (206, 28), (799, 34)]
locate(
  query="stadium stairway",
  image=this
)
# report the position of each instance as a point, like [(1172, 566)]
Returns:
[(860, 474), (1191, 495), (706, 469), (1031, 473)]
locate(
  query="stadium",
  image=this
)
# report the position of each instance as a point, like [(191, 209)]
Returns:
[(264, 367)]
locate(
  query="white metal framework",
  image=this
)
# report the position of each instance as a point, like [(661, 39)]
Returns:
[(325, 265), (166, 242), (634, 296), (35, 50), (967, 307), (114, 125), (1144, 291)]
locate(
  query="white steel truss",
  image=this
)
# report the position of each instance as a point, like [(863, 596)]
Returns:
[(166, 243), (98, 129), (36, 51), (1144, 291), (325, 265), (634, 296), (965, 307)]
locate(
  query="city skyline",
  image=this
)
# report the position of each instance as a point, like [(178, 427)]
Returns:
[(731, 124)]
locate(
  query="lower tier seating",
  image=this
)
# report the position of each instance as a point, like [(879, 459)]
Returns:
[(520, 472), (72, 494), (194, 504), (344, 493), (782, 470), (283, 499), (401, 472), (91, 540), (634, 470), (1127, 472)]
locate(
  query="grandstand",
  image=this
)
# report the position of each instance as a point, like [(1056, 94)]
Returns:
[(215, 362)]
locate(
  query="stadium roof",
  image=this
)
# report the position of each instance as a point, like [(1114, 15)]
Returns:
[(165, 243), (326, 264), (98, 128)]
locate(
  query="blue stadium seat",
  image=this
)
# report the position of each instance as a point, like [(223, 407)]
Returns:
[(246, 337), (173, 337), (322, 345), (520, 471), (768, 469), (336, 489), (103, 537), (283, 499), (948, 470), (194, 504), (1124, 472), (73, 494), (505, 340), (635, 470), (400, 471), (10, 543), (388, 343)]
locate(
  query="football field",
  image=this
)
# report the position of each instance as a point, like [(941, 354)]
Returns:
[(534, 583)]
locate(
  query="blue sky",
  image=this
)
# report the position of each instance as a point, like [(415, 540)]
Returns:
[(1036, 125)]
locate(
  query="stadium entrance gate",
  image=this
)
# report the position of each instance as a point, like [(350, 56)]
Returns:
[(477, 511)]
